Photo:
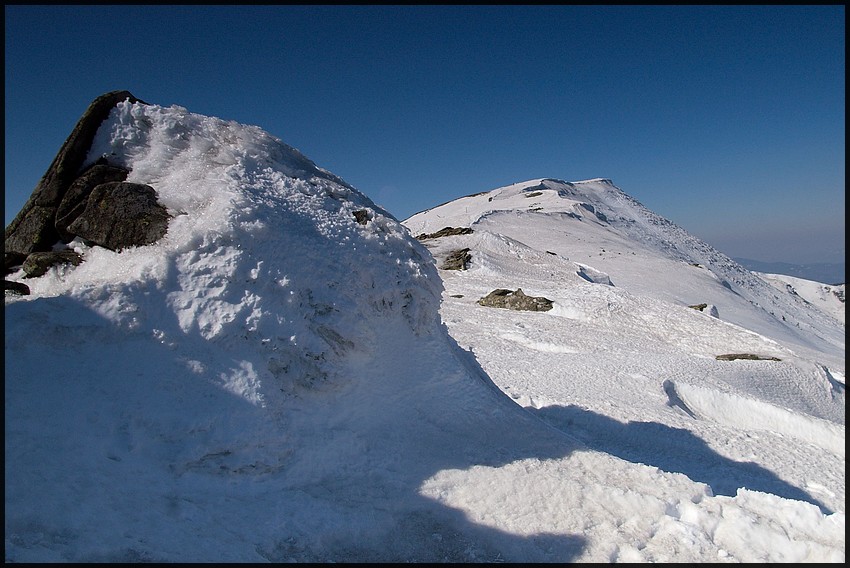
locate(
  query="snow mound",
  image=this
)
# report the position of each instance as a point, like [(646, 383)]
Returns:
[(279, 349), (263, 247)]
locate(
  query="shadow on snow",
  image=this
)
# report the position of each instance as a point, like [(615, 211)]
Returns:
[(670, 449)]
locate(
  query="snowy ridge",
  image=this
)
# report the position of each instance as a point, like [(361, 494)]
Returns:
[(607, 312), (625, 358), (597, 224)]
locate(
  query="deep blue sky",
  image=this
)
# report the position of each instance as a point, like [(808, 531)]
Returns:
[(726, 120)]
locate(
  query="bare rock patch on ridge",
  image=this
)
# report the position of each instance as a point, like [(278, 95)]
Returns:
[(515, 300)]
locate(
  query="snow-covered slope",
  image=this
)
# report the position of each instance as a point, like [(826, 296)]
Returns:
[(826, 297), (594, 224), (626, 360), (272, 381)]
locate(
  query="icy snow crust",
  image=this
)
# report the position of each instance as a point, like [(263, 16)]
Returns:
[(273, 381)]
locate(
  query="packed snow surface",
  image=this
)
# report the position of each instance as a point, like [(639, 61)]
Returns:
[(276, 381)]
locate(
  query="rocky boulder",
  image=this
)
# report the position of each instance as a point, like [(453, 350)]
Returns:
[(515, 300), (120, 215), (707, 308), (361, 216), (34, 227), (75, 199), (12, 260), (16, 287), (457, 260), (38, 263)]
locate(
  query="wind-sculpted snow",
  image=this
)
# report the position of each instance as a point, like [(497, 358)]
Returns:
[(747, 414), (270, 381), (253, 253)]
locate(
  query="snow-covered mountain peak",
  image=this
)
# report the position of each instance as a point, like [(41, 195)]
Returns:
[(537, 195), (596, 224)]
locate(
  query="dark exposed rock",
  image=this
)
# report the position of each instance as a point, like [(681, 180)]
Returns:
[(361, 216), (534, 194), (515, 300), (33, 228), (119, 215), (749, 356), (38, 263), (457, 260), (445, 232), (12, 260), (699, 307), (74, 201), (16, 287)]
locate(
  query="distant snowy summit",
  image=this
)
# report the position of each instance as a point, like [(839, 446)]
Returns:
[(612, 238)]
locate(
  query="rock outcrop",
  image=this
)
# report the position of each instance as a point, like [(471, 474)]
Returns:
[(16, 287), (515, 300), (746, 356), (38, 263), (361, 216), (445, 232), (34, 227), (74, 201), (119, 215), (93, 202), (457, 260)]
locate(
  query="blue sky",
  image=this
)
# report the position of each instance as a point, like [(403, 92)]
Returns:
[(727, 120)]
